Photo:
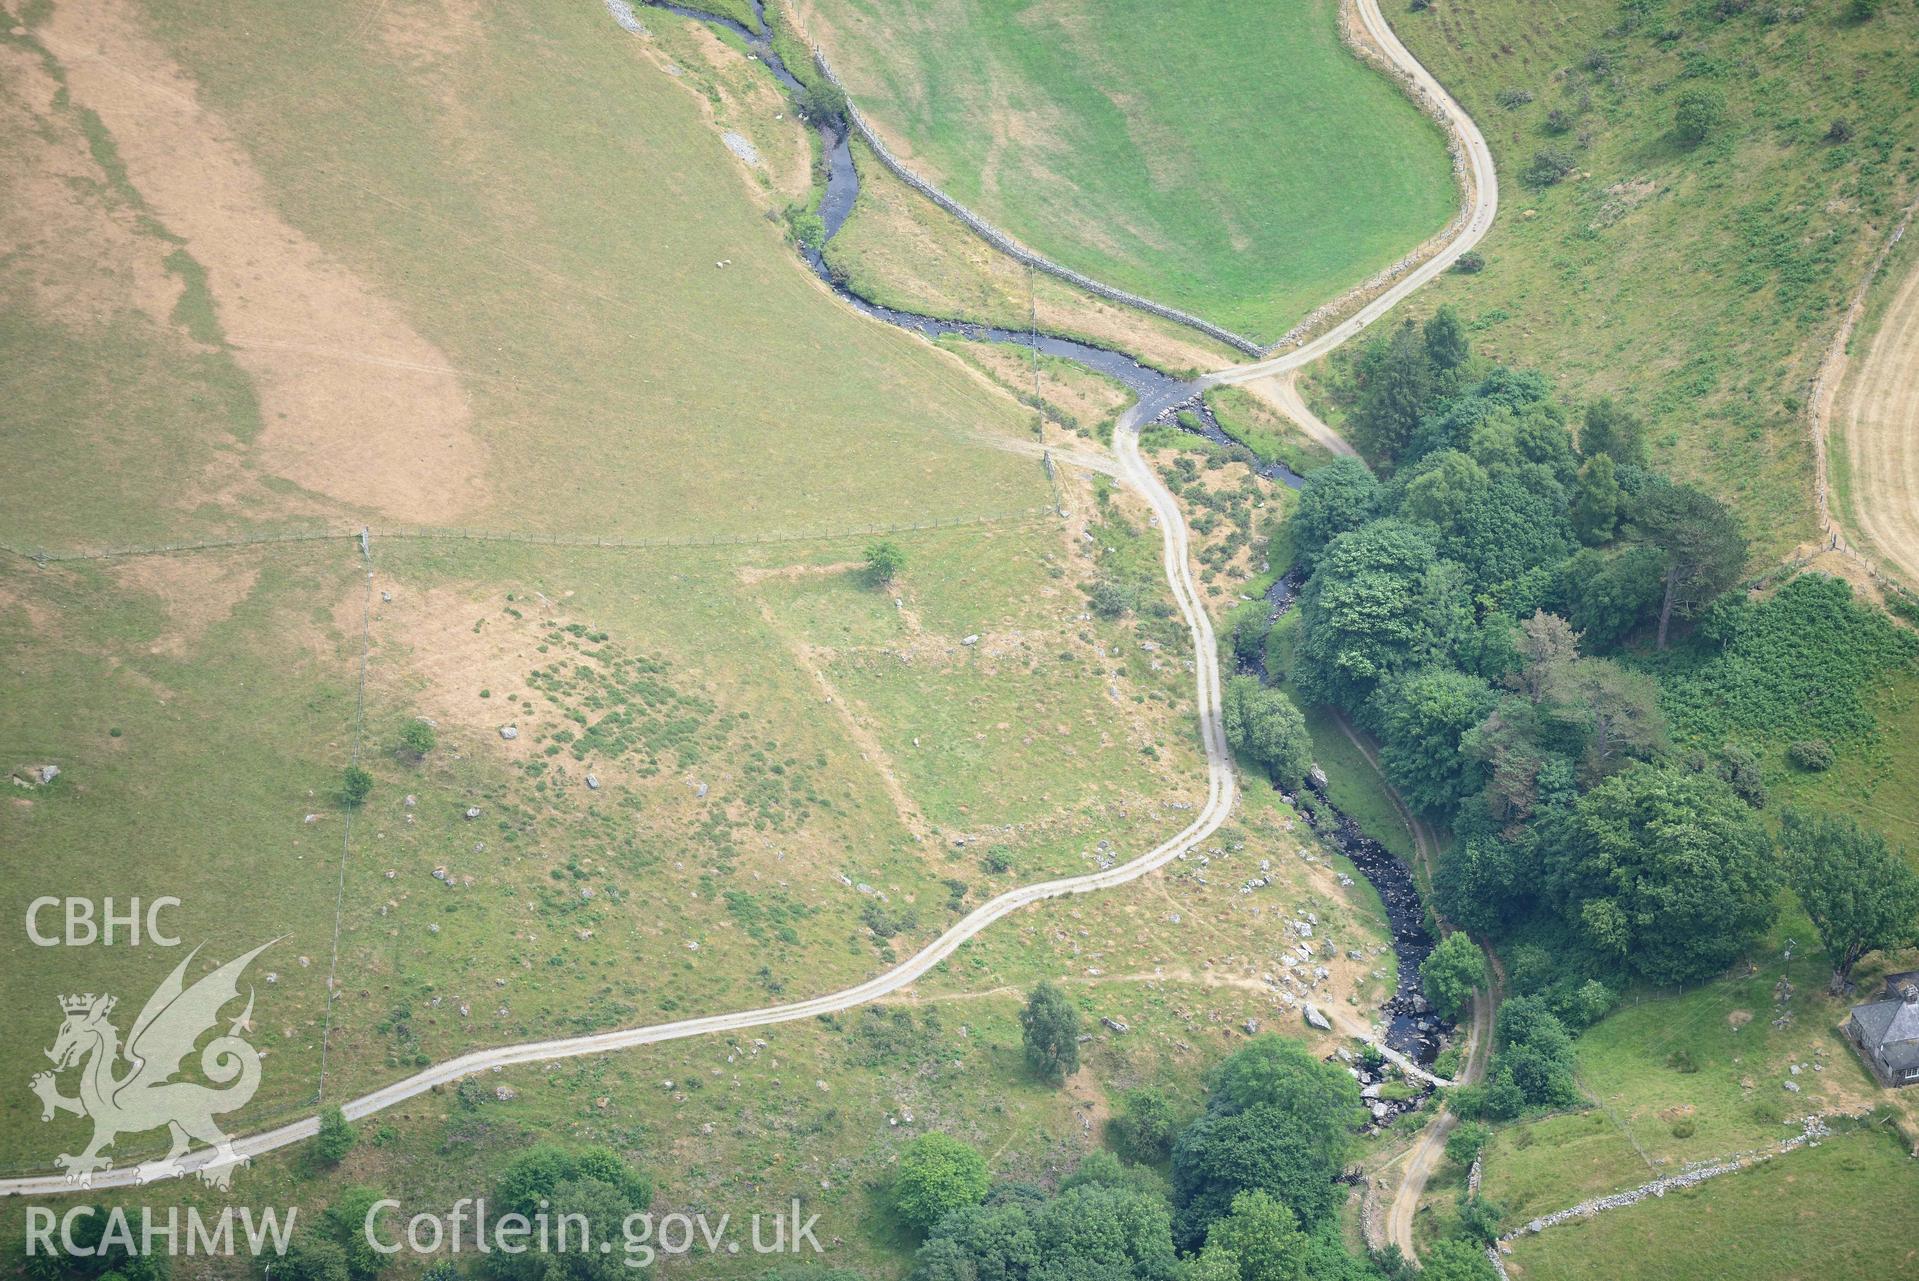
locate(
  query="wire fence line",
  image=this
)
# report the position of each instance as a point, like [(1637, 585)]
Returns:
[(329, 533)]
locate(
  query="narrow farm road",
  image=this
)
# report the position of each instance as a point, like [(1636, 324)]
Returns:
[(1430, 1148), (1176, 559)]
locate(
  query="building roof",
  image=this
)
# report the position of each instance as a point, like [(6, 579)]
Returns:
[(1896, 981), (1890, 1029)]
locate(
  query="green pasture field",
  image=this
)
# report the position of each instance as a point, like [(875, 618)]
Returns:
[(1873, 782), (1699, 285), (1694, 1076), (1234, 160), (1819, 1211)]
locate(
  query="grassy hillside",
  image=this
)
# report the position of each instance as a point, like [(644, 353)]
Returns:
[(449, 271), (819, 1109), (416, 265), (1697, 283), (1230, 159)]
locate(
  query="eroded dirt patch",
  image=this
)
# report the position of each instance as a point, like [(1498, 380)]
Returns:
[(356, 404), (197, 592), (82, 257)]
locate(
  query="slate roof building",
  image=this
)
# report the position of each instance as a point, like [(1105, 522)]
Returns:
[(1886, 1032)]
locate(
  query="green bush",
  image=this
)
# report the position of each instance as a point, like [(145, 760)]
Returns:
[(355, 786), (417, 738), (884, 561), (1111, 599), (335, 1138), (1549, 166), (1813, 754), (1698, 115), (1145, 1127), (1464, 1144), (937, 1175)]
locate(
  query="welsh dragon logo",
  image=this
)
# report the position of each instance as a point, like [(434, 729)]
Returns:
[(142, 1095)]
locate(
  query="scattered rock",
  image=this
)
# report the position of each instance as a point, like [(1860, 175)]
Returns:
[(505, 1093), (970, 640), (739, 146), (473, 811), (509, 732), (47, 773)]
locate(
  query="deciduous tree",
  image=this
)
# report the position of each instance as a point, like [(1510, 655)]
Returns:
[(1422, 718), (884, 561), (1613, 430), (937, 1175), (1341, 496), (1665, 871), (1049, 1026), (1861, 894), (1451, 973), (1263, 723)]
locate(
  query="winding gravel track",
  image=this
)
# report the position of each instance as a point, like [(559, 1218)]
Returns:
[(1221, 792), (1221, 787)]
